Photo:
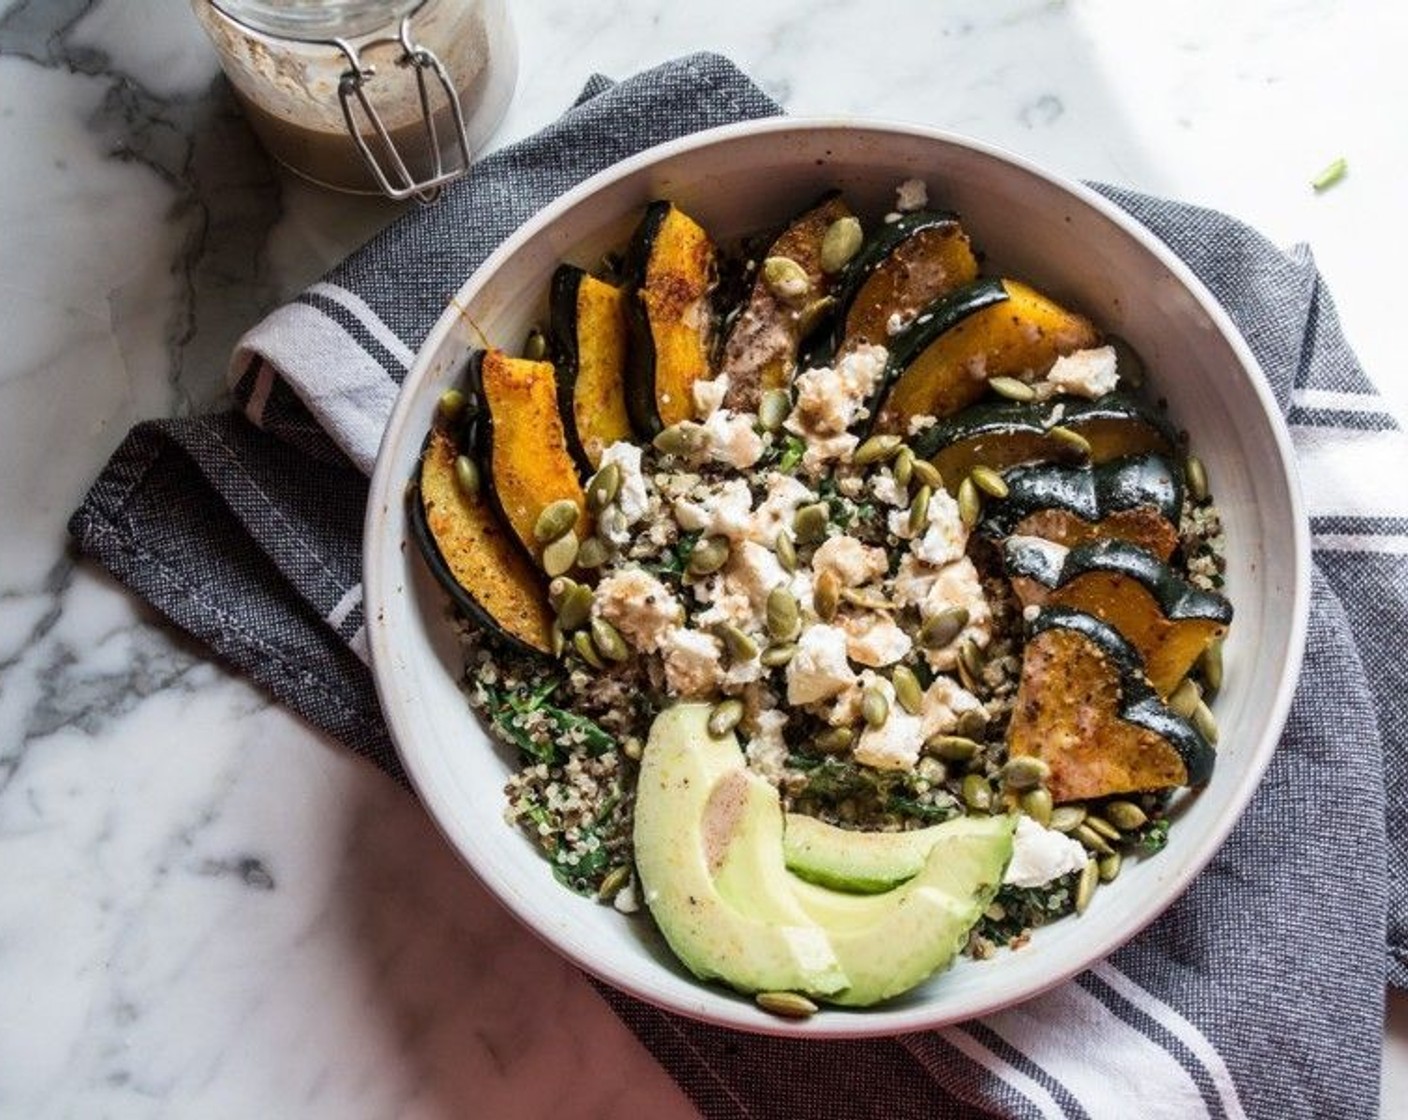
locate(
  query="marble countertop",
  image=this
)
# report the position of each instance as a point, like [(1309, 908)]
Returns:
[(208, 909)]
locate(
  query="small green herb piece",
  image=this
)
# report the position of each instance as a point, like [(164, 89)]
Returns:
[(1332, 174), (792, 451), (1154, 836)]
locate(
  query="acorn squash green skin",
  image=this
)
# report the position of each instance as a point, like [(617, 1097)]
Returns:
[(640, 361), (946, 312), (562, 339), (1139, 704), (1091, 493)]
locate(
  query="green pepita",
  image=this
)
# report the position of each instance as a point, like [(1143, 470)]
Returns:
[(813, 311), (559, 641), (1126, 815), (725, 717), (683, 439), (973, 724), (1110, 867), (559, 589), (904, 467), (1210, 664), (556, 519), (1085, 887), (1185, 698), (1067, 818), (840, 243), (952, 748), (1036, 804), (976, 793), (790, 1005), (561, 554), (608, 641), (874, 707), (773, 409), (615, 879), (1025, 772), (451, 404), (1205, 723), (826, 595), (1102, 827), (940, 629), (784, 616), (603, 487), (786, 279), (535, 346), (1011, 388), (989, 481), (877, 449), (928, 475), (632, 747), (1197, 477), (709, 556), (1091, 839), (866, 599), (970, 502), (786, 552), (467, 476), (970, 659), (919, 511), (582, 643), (776, 656), (593, 553), (834, 740), (1070, 439), (575, 607), (740, 646), (909, 693), (809, 523)]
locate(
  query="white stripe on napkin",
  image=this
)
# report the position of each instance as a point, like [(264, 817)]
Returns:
[(1010, 1075), (1396, 545), (349, 602), (367, 317), (1114, 1070), (1332, 400), (1351, 473)]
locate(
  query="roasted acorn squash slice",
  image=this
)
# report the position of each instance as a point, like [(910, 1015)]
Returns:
[(1002, 434), (472, 553), (590, 339), (521, 445), (1085, 709), (761, 349), (1138, 499), (672, 265), (1021, 336), (1167, 620)]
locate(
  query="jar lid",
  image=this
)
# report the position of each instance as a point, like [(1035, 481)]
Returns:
[(316, 20)]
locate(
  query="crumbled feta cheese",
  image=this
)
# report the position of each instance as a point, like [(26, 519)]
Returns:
[(754, 571), (818, 670), (631, 499), (1030, 612), (945, 536), (897, 322), (874, 639), (824, 449), (766, 749), (1040, 855), (854, 563), (896, 743), (627, 900), (912, 581), (732, 439), (918, 423), (692, 662), (709, 396), (944, 701), (784, 496), (850, 486), (958, 585), (887, 491), (912, 194), (727, 604), (639, 606), (1086, 373), (830, 398), (724, 510)]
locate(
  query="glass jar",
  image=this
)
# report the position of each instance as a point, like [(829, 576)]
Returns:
[(368, 96)]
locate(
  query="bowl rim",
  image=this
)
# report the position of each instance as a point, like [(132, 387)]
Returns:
[(386, 489)]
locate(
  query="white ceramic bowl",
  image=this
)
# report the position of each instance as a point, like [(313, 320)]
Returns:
[(1059, 236)]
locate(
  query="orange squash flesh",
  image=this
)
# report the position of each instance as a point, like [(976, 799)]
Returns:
[(599, 393), (1109, 439), (678, 277), (1144, 526)]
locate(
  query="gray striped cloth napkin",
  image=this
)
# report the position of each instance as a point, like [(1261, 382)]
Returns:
[(1260, 993)]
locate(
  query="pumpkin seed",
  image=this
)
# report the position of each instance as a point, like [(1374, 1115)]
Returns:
[(874, 707), (877, 449), (1011, 388), (561, 554), (826, 595), (919, 511), (970, 502), (840, 243), (451, 404), (1091, 839), (928, 474), (976, 793), (931, 770), (555, 520), (1085, 888), (1025, 772), (989, 482), (1102, 827), (1197, 478), (952, 748), (740, 646), (776, 656), (973, 724), (603, 487), (1070, 439), (1066, 818), (809, 522), (786, 552), (709, 556), (1205, 723), (970, 658), (1037, 805), (683, 439), (773, 409), (903, 469), (1126, 815), (608, 641), (559, 641), (575, 608), (593, 553), (834, 740), (940, 629), (1185, 698), (784, 616), (786, 279), (724, 717), (615, 879), (582, 643), (631, 747), (1110, 867), (866, 599), (535, 346), (790, 1005), (1211, 665), (909, 693), (558, 590), (812, 314), (467, 476)]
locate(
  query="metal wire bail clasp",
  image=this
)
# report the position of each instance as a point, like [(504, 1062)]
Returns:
[(401, 184)]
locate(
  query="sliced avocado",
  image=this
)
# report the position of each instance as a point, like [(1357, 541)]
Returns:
[(698, 810), (887, 943), (861, 862)]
